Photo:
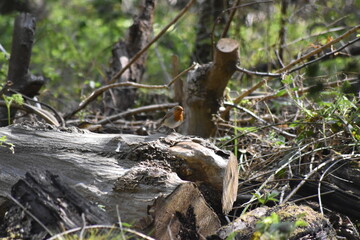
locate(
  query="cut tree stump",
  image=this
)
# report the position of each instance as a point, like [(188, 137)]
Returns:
[(113, 170), (204, 89), (184, 214)]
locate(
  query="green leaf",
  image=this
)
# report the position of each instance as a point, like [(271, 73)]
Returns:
[(287, 79), (2, 139), (281, 93), (301, 223)]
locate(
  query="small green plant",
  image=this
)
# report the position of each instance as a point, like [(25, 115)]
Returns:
[(265, 198), (4, 143), (17, 98), (271, 228)]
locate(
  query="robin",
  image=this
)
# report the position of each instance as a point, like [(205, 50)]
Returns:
[(173, 118)]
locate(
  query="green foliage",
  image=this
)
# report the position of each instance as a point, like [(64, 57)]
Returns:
[(5, 143), (267, 197), (336, 110), (74, 41), (73, 44), (271, 228), (96, 232), (17, 98), (4, 65)]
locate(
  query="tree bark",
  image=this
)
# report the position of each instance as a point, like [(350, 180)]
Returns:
[(18, 73), (54, 204), (139, 35), (112, 170), (204, 89)]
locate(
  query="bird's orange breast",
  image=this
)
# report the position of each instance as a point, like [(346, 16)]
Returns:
[(178, 115)]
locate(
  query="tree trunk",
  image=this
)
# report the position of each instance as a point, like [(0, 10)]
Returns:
[(19, 74), (139, 34), (204, 89)]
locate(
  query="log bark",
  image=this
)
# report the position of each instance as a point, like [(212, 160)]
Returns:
[(112, 170), (42, 205), (204, 89)]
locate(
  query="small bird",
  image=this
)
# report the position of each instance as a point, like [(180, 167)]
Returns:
[(173, 118)]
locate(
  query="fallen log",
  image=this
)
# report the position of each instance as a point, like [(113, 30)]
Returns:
[(124, 172), (42, 205)]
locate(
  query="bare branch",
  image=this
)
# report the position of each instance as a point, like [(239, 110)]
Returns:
[(99, 91), (182, 73), (263, 74), (289, 66), (325, 55), (232, 14), (130, 112)]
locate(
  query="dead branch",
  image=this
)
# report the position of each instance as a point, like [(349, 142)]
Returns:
[(289, 66), (48, 117), (99, 91), (162, 32), (135, 111)]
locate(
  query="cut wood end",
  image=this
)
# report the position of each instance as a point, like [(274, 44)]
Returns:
[(227, 45), (230, 184), (185, 205)]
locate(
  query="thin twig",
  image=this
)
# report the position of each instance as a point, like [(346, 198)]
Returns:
[(325, 55), (232, 14), (44, 104), (162, 32), (337, 29), (182, 73), (120, 222), (226, 10), (99, 91), (262, 74), (30, 214), (260, 119), (312, 196), (49, 118), (306, 177), (150, 108), (81, 235), (319, 184), (101, 226), (305, 90)]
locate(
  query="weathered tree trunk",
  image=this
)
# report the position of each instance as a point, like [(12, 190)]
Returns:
[(204, 89), (19, 74), (139, 35)]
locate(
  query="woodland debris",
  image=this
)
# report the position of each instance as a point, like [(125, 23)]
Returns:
[(318, 227)]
